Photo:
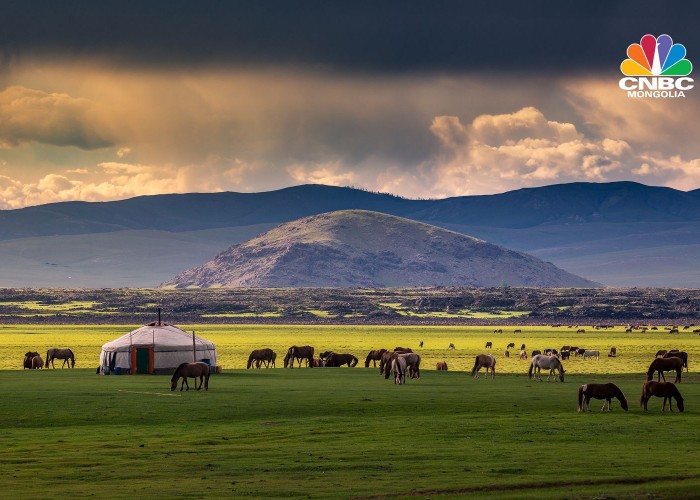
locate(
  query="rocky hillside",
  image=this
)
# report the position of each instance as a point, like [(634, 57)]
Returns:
[(358, 248)]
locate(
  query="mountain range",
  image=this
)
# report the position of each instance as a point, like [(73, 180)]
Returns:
[(620, 233)]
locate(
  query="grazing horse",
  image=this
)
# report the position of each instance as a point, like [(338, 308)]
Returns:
[(337, 360), (441, 366), (402, 349), (581, 351), (565, 354), (28, 357), (451, 346), (412, 363), (260, 356), (37, 362), (398, 368), (385, 363), (613, 352), (600, 391), (549, 362), (660, 353), (507, 354), (420, 344), (661, 365), (65, 354), (591, 354), (374, 356), (489, 345), (523, 354), (304, 352), (665, 390), (511, 345), (536, 353), (522, 347), (196, 371), (484, 361), (678, 354)]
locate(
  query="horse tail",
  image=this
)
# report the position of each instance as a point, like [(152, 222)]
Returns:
[(72, 358), (476, 365), (532, 367), (580, 398), (678, 398), (644, 393), (354, 362)]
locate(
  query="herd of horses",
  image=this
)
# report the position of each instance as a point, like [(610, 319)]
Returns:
[(33, 361)]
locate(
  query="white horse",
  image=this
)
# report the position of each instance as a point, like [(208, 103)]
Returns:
[(398, 368), (548, 362), (412, 363), (591, 354)]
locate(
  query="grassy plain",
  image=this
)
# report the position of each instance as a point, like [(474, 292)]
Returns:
[(341, 433)]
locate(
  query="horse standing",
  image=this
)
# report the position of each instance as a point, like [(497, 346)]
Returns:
[(600, 391), (548, 362), (661, 365), (37, 362), (412, 363), (196, 371), (374, 356), (65, 354), (484, 361), (678, 354), (28, 357), (665, 390), (398, 368), (591, 354), (299, 353), (337, 360), (260, 356), (441, 366)]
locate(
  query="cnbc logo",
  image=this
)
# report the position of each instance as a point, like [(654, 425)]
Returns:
[(656, 67)]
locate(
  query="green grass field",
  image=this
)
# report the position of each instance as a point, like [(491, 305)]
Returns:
[(343, 433)]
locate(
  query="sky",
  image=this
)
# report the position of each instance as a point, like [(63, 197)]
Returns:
[(424, 99)]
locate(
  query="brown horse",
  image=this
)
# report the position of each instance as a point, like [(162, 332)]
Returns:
[(28, 357), (484, 361), (65, 354), (37, 362), (374, 356), (678, 354), (260, 356), (441, 366), (600, 391), (661, 365), (196, 371), (661, 353), (665, 390), (334, 360), (402, 349), (304, 352), (412, 363)]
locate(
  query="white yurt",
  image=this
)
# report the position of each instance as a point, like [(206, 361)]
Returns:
[(157, 348)]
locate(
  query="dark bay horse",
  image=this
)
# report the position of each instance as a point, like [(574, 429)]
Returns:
[(37, 362), (374, 356), (678, 354), (661, 365), (28, 357), (305, 352), (548, 362), (665, 390), (65, 354), (196, 371), (385, 363), (600, 391), (335, 360), (260, 356), (484, 361), (441, 366)]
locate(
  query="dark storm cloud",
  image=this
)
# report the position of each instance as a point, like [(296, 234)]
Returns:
[(368, 36)]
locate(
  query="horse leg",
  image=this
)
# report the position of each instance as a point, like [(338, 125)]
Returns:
[(201, 382)]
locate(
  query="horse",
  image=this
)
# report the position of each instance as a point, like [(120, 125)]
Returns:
[(304, 352), (600, 391), (665, 390), (565, 354), (420, 344), (65, 354), (28, 357), (523, 354), (661, 365), (489, 345), (451, 346), (507, 354), (374, 356), (484, 361), (398, 368), (441, 366), (338, 360), (191, 370), (678, 354), (511, 345), (581, 351), (660, 353), (385, 363), (536, 353), (591, 354), (260, 356), (402, 349), (522, 347), (550, 362), (37, 362), (613, 352), (412, 363)]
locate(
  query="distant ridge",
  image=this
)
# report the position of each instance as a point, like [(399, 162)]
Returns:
[(358, 248)]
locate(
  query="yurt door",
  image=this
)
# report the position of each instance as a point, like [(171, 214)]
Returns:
[(142, 359)]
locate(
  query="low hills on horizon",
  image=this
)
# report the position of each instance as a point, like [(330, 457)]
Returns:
[(619, 233), (360, 248)]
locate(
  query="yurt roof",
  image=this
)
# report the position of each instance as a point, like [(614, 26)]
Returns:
[(162, 335)]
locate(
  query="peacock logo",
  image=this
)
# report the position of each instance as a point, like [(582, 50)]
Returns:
[(654, 56), (656, 67)]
